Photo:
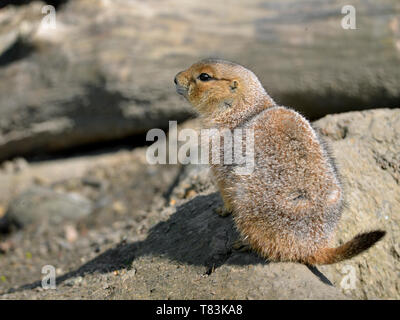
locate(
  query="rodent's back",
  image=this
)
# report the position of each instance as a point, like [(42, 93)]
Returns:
[(292, 201)]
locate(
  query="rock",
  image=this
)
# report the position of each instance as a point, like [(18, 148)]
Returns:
[(2, 211), (190, 254), (8, 167), (39, 204), (17, 26), (74, 281), (20, 164), (17, 165), (106, 71), (367, 148), (181, 249), (71, 234)]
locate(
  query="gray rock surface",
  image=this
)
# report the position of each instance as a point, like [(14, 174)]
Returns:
[(39, 204), (367, 148), (154, 233), (106, 71)]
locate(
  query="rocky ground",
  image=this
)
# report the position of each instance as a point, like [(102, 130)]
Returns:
[(115, 227)]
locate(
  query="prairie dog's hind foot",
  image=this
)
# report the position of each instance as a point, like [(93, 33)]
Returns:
[(241, 246)]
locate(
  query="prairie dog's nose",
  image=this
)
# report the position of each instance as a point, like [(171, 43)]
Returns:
[(176, 77)]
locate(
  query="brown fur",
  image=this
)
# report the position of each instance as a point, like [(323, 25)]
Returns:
[(288, 208)]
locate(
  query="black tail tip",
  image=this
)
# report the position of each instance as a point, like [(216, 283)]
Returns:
[(369, 238), (378, 234)]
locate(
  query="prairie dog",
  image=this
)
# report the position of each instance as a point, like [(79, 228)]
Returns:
[(288, 208)]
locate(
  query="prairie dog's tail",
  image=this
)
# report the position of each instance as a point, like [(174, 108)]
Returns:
[(348, 250)]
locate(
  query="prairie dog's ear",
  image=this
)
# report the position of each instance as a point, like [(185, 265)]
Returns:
[(234, 84)]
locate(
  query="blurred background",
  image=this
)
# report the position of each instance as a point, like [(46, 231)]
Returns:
[(105, 72)]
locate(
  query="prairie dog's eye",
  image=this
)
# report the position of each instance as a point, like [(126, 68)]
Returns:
[(204, 77)]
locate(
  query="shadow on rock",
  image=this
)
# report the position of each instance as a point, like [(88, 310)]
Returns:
[(193, 235)]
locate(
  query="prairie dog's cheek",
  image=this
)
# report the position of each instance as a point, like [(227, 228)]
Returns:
[(219, 93), (191, 89), (194, 93)]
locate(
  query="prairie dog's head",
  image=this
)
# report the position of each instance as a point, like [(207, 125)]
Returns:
[(217, 87)]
